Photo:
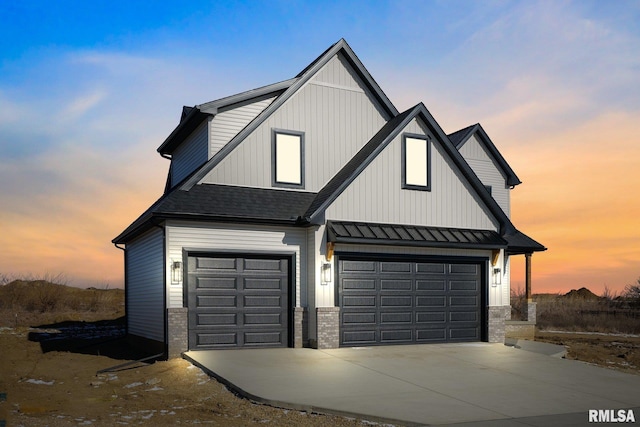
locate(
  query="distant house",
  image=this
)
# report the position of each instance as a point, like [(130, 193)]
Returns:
[(311, 212)]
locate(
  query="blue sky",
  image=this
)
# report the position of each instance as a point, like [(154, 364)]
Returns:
[(89, 90)]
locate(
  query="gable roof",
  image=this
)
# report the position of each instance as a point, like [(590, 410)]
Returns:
[(193, 116), (340, 47), (459, 138), (380, 140), (213, 202)]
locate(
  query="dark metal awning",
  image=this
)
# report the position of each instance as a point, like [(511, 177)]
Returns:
[(412, 235)]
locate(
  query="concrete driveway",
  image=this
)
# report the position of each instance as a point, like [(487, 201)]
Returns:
[(476, 383)]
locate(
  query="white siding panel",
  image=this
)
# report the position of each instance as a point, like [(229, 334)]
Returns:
[(488, 171), (145, 286), (376, 195), (190, 154), (227, 124), (337, 119), (227, 237)]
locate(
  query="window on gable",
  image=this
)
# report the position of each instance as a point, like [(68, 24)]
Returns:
[(416, 162), (288, 158)]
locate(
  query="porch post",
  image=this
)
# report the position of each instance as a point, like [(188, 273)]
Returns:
[(530, 306)]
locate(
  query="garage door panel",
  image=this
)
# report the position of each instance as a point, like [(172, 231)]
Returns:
[(429, 301), (262, 301), (366, 337), (359, 301), (395, 318), (214, 301), (463, 285), (471, 269), (392, 285), (222, 319), (362, 318), (237, 301), (463, 302), (358, 266), (431, 335), (430, 285), (431, 268), (396, 336), (403, 302), (395, 267), (216, 283), (359, 284), (262, 265), (262, 284), (212, 263), (431, 317), (229, 339), (395, 301)]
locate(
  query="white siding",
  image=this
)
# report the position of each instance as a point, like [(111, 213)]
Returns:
[(488, 171), (335, 112), (145, 286), (190, 154), (376, 195), (227, 124), (229, 237)]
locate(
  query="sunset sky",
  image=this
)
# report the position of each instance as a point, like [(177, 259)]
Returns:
[(89, 90)]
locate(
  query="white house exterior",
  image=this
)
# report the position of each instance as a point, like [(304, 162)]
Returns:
[(311, 212)]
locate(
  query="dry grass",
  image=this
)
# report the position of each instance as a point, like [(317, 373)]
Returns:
[(23, 301), (581, 310)]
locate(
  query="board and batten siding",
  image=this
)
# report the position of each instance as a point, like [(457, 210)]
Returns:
[(227, 238), (488, 171), (190, 154), (376, 195), (145, 285), (338, 116), (225, 125)]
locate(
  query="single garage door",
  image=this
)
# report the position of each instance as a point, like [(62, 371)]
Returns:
[(404, 302), (237, 301)]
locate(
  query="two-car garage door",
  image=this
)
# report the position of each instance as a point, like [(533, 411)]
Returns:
[(402, 302)]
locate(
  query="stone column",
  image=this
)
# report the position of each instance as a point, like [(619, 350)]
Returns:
[(177, 331), (328, 320), (496, 316), (300, 327)]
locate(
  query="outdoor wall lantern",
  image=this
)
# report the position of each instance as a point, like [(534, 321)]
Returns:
[(176, 271), (326, 273), (497, 279)]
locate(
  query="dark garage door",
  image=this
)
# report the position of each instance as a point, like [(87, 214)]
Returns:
[(403, 302), (237, 301)]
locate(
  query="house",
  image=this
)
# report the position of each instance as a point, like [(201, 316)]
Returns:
[(311, 212)]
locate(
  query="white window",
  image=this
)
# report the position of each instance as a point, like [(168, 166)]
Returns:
[(416, 153), (288, 159)]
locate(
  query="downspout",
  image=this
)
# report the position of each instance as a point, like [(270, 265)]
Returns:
[(126, 298)]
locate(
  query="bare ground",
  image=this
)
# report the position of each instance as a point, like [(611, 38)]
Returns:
[(49, 380), (48, 377)]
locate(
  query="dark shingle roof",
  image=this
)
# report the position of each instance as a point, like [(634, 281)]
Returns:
[(212, 202)]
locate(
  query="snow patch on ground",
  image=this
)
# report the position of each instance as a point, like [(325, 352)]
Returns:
[(40, 382)]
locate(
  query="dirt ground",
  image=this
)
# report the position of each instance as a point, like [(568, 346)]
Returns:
[(613, 351), (48, 377), (49, 380)]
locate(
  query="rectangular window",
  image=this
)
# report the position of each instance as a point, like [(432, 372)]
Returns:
[(416, 159), (288, 159)]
